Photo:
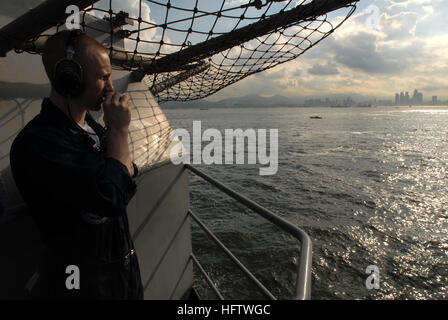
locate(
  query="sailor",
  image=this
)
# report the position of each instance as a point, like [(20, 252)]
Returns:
[(77, 177)]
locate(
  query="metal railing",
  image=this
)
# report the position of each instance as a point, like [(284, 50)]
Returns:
[(303, 284)]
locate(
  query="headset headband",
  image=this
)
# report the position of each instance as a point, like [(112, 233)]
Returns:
[(70, 44), (68, 77)]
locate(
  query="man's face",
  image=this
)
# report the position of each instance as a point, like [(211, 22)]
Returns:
[(98, 84)]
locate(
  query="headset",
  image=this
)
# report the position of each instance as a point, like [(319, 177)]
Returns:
[(68, 75)]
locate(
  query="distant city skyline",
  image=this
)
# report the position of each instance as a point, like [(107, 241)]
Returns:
[(259, 101), (403, 98)]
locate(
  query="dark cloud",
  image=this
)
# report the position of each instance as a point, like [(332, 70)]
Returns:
[(360, 52), (319, 69)]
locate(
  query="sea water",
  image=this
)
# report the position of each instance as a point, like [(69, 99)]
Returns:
[(368, 185)]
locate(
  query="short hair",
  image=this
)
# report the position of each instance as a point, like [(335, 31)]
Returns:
[(55, 49)]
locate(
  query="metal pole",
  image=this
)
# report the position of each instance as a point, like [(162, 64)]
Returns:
[(37, 20), (121, 58), (207, 278), (229, 40)]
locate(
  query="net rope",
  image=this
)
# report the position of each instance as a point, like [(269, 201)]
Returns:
[(157, 29)]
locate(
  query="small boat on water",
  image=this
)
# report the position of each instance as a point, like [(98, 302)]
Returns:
[(316, 116)]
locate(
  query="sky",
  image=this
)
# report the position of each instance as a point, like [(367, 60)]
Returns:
[(387, 46), (384, 48)]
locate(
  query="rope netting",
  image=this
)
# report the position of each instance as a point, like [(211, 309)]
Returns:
[(194, 48), (190, 49)]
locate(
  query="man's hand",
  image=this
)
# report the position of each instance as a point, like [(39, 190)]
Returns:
[(117, 112), (117, 116)]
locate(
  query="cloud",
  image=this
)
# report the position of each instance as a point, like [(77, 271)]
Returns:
[(399, 26), (361, 52), (323, 70), (435, 88), (274, 74), (296, 73)]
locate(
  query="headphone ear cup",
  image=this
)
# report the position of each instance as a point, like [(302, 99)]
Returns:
[(68, 78)]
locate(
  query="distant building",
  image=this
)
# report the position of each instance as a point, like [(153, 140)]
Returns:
[(434, 100), (348, 102), (419, 98), (397, 99)]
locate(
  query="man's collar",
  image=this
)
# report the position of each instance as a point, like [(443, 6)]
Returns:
[(59, 118), (49, 108)]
